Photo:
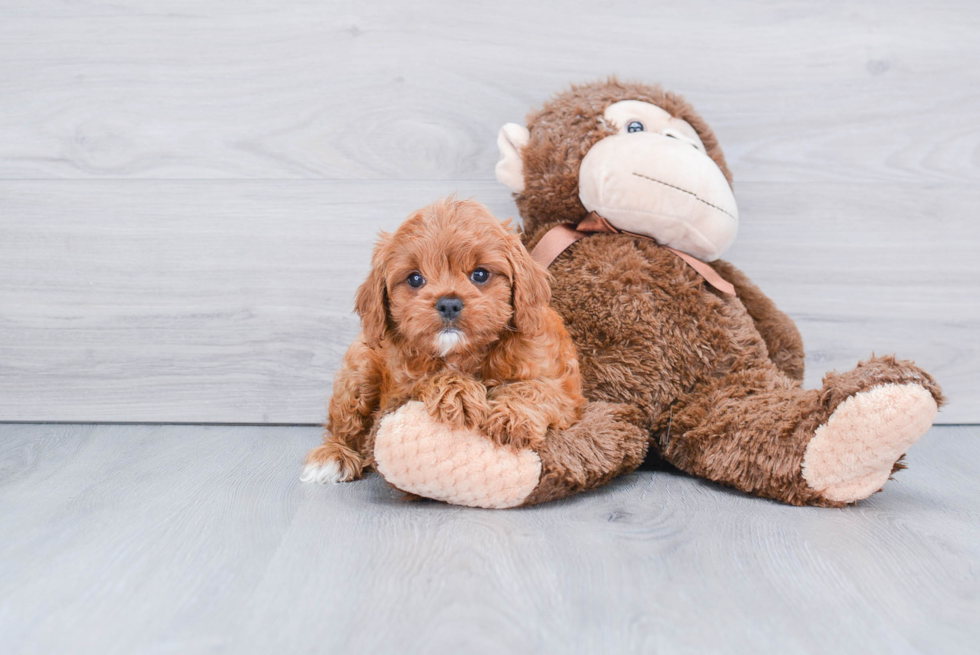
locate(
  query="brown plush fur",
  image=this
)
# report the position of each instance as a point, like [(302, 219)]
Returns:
[(783, 340), (513, 374), (584, 456), (566, 128), (714, 379)]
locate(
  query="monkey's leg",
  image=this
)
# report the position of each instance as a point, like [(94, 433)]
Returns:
[(760, 433), (417, 454)]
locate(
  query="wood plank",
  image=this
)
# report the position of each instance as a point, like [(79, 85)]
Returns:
[(872, 91), (230, 302), (191, 539), (184, 302), (126, 538), (868, 269)]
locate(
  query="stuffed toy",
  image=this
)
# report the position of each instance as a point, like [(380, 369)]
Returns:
[(625, 195)]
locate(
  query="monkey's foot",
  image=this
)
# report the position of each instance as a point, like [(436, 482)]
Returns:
[(417, 454), (852, 455)]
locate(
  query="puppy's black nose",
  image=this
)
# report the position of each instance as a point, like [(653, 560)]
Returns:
[(449, 307)]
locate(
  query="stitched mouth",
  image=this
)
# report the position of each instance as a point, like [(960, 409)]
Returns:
[(690, 193)]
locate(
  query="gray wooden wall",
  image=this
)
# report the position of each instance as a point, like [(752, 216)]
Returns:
[(189, 190)]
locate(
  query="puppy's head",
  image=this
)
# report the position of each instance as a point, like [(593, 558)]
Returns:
[(452, 277)]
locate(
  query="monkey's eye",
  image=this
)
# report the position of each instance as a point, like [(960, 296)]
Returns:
[(634, 126), (415, 279), (480, 275)]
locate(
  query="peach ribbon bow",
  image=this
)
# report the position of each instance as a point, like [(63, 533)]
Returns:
[(558, 238)]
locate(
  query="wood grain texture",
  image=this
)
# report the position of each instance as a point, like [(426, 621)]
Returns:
[(124, 539), (875, 91), (231, 302), (188, 195)]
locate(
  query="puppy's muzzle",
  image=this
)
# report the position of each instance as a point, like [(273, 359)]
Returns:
[(449, 307)]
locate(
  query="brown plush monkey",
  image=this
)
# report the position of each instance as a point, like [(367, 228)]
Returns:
[(673, 362)]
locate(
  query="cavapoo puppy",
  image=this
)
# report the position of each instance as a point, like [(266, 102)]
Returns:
[(454, 313)]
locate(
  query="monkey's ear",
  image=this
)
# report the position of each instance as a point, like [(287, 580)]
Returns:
[(510, 168), (371, 302)]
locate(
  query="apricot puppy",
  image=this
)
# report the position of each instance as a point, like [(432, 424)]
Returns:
[(454, 313)]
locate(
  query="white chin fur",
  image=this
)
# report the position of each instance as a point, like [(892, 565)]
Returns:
[(447, 340)]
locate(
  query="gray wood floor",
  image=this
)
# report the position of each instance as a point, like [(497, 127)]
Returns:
[(184, 539), (188, 195)]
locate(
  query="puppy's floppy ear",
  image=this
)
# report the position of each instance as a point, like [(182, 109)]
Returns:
[(371, 303), (530, 288)]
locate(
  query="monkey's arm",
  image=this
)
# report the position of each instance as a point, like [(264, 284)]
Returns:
[(422, 456), (777, 329)]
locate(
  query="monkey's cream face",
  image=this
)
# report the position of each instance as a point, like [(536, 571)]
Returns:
[(652, 177)]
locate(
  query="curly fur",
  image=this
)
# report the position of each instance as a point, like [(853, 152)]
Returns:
[(509, 367)]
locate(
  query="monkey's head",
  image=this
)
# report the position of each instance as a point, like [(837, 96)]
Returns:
[(638, 156)]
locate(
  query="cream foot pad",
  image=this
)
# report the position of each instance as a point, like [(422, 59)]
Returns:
[(417, 454), (851, 456)]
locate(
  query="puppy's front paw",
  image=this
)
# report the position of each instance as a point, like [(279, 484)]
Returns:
[(332, 462), (456, 401), (507, 426)]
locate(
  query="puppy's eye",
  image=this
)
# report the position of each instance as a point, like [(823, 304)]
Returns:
[(415, 279), (634, 126), (480, 275)]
